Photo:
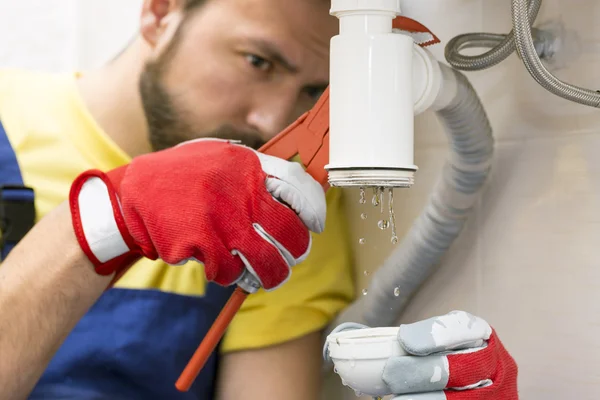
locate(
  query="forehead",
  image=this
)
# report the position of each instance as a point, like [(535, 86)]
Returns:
[(301, 29)]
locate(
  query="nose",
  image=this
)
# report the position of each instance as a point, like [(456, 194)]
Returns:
[(272, 113)]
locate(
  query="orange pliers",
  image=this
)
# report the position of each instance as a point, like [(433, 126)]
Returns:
[(308, 138)]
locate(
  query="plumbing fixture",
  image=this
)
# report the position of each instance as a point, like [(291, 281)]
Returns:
[(378, 80), (501, 46), (464, 175), (529, 43), (371, 105), (526, 49)]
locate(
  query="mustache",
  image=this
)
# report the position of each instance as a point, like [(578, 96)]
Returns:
[(249, 138)]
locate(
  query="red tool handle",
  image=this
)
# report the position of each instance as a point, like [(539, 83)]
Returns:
[(211, 340)]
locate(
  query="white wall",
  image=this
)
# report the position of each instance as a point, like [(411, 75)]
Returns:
[(63, 35), (529, 260)]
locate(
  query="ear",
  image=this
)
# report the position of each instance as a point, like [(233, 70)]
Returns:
[(157, 16)]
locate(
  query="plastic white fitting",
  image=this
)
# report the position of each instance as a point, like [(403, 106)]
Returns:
[(371, 102), (379, 80), (360, 355), (428, 80)]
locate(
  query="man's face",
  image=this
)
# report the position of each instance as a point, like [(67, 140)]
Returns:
[(238, 69)]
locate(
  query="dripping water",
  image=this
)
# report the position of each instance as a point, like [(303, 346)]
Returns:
[(393, 217), (375, 199)]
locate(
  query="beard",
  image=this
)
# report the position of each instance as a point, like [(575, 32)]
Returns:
[(168, 124)]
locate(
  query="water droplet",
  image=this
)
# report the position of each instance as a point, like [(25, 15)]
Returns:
[(393, 218), (363, 216), (383, 224), (366, 273), (362, 200), (364, 292), (396, 291), (376, 200), (362, 241)]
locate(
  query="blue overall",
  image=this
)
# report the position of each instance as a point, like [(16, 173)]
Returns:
[(132, 344), (17, 210)]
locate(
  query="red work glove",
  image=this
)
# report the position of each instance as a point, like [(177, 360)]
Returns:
[(209, 200), (453, 357)]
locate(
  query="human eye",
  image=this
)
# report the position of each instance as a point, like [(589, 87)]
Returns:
[(315, 92), (258, 62)]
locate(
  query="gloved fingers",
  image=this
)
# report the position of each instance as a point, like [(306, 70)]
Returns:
[(423, 396), (486, 390), (456, 330), (474, 367), (491, 371), (221, 267), (266, 259), (469, 368), (487, 393), (409, 374), (280, 226), (289, 183), (293, 248)]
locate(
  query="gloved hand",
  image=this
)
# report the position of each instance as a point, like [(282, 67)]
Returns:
[(457, 357), (209, 200)]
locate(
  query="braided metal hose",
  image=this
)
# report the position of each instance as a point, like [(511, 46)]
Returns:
[(501, 45), (526, 49), (524, 13)]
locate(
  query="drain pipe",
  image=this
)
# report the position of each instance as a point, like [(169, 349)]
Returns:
[(459, 109)]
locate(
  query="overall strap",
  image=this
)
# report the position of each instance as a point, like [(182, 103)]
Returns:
[(17, 208)]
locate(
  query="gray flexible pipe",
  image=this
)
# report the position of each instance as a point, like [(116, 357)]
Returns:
[(501, 45), (440, 223), (526, 49)]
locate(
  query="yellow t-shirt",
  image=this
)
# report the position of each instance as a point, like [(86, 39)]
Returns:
[(55, 138)]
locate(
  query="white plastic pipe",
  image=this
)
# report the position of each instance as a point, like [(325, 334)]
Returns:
[(471, 149), (371, 97)]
